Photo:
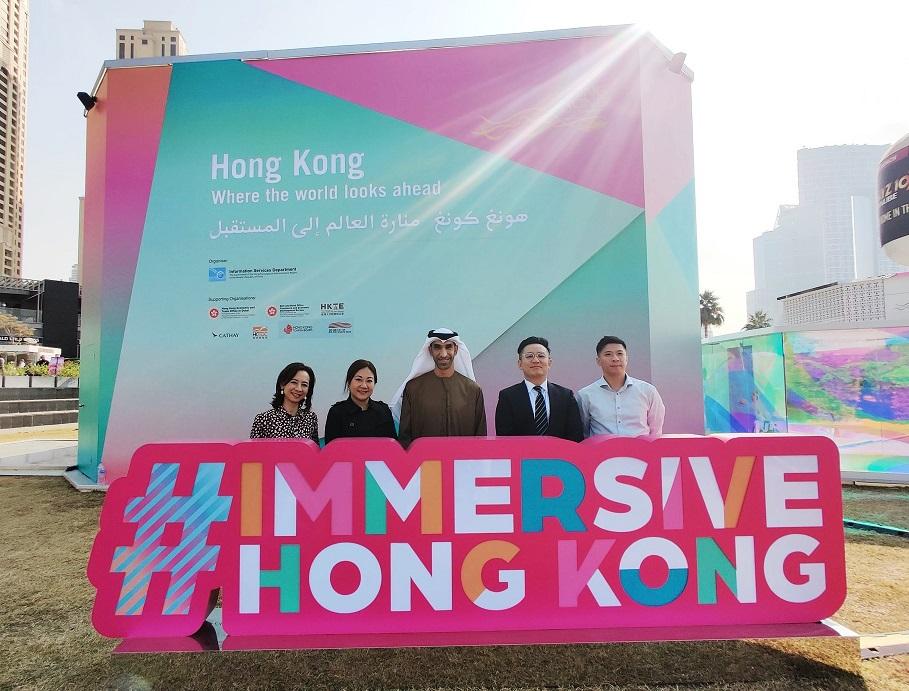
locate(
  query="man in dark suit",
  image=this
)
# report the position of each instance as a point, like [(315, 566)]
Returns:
[(536, 406)]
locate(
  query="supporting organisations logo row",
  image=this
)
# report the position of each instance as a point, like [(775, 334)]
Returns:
[(318, 329), (283, 319)]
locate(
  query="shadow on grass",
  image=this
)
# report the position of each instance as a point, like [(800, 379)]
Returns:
[(858, 536), (833, 664)]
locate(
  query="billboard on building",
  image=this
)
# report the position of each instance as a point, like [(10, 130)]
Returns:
[(893, 201)]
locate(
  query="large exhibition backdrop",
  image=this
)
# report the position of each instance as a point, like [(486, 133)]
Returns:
[(243, 213)]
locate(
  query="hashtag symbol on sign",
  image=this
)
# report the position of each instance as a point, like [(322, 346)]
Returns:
[(157, 510)]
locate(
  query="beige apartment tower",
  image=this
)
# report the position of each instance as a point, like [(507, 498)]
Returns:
[(13, 73), (153, 40)]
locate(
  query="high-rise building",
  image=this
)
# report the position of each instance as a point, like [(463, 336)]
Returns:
[(830, 236), (786, 259), (839, 183), (153, 40), (13, 72)]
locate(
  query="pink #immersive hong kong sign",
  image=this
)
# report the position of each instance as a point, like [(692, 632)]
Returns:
[(470, 535)]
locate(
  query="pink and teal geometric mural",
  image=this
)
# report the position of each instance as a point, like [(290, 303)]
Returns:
[(241, 214)]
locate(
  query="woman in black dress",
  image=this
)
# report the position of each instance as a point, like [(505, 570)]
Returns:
[(291, 415), (359, 415)]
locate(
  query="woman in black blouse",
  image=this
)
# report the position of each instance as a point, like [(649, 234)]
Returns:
[(359, 415), (291, 415)]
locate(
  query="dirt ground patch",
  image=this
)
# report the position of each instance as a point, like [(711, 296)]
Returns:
[(46, 639)]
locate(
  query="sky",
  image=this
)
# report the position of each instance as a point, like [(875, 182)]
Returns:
[(769, 79)]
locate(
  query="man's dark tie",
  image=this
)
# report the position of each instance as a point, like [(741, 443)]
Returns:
[(540, 422)]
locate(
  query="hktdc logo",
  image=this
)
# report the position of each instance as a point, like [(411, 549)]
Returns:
[(332, 309)]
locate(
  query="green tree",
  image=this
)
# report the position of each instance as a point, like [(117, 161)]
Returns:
[(758, 320), (711, 312)]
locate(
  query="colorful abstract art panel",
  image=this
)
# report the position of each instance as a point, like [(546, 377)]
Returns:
[(853, 386), (744, 385)]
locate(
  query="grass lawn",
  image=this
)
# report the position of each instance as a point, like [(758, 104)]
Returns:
[(46, 639)]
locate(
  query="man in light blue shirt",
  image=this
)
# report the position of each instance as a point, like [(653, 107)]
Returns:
[(616, 403)]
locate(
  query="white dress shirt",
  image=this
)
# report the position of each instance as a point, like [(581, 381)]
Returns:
[(533, 396), (633, 410)]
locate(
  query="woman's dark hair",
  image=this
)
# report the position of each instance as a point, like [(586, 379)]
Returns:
[(288, 373), (355, 367)]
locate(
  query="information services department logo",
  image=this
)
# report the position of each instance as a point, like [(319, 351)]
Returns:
[(259, 332), (214, 312), (217, 273), (340, 328)]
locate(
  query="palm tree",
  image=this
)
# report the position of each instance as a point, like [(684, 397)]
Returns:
[(711, 312), (759, 320)]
